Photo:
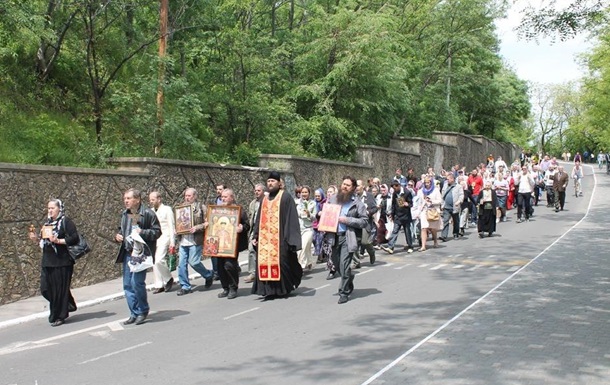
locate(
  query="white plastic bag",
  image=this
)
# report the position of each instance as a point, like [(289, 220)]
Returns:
[(389, 226), (141, 257)]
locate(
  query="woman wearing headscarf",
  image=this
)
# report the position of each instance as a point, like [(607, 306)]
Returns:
[(57, 266), (319, 199), (488, 202), (431, 200), (306, 209)]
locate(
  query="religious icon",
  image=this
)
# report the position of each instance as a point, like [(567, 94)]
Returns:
[(47, 232), (329, 219), (184, 219), (221, 233)]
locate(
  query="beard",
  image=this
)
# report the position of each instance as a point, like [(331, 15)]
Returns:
[(343, 197)]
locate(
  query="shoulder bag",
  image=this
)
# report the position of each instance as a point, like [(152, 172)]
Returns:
[(432, 214), (80, 249)]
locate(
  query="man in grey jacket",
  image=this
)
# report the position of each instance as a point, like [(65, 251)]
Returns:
[(453, 196), (352, 219)]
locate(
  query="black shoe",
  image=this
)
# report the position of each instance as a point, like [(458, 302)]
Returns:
[(209, 282), (183, 292), (129, 320), (58, 322), (71, 307), (232, 294), (224, 293), (159, 290), (481, 235), (372, 259), (456, 236), (141, 319), (169, 284), (331, 275), (342, 299), (443, 239), (216, 277)]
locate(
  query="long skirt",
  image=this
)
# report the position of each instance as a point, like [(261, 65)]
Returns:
[(55, 288), (487, 221)]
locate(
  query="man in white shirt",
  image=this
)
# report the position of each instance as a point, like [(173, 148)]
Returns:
[(165, 243), (526, 184)]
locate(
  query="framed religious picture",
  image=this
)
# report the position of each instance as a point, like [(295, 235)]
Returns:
[(184, 219), (46, 232), (220, 238), (329, 219)]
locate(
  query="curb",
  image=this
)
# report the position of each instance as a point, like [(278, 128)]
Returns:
[(84, 304)]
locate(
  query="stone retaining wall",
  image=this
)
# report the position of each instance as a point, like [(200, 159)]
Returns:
[(93, 197)]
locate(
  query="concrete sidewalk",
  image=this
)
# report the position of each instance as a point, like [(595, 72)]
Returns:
[(37, 307)]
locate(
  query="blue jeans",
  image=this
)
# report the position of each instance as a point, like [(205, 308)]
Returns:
[(473, 209), (406, 226), (191, 255), (134, 285)]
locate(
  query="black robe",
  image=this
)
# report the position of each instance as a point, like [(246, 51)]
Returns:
[(487, 217), (291, 271), (56, 273)]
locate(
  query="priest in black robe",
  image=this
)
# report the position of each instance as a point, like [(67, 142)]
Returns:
[(290, 270)]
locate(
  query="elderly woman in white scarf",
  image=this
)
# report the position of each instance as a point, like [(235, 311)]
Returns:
[(57, 266), (488, 202)]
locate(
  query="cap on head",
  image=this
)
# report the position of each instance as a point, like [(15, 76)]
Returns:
[(274, 175)]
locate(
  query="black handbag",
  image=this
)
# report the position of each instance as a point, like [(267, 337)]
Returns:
[(80, 249)]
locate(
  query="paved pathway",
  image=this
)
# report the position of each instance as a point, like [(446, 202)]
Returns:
[(548, 323)]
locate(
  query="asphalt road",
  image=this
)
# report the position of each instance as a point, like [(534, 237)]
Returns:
[(404, 311)]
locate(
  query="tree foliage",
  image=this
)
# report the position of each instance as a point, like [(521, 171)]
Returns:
[(305, 77)]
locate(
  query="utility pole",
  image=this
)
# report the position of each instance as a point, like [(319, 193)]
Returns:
[(448, 73), (163, 12)]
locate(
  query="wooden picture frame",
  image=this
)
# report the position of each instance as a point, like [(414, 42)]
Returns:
[(184, 218), (46, 232), (221, 237), (329, 219)]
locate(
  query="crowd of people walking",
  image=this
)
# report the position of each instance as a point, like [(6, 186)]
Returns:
[(287, 233)]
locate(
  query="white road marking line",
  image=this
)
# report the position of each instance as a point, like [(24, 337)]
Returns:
[(74, 333), (424, 265), (439, 266), (491, 256), (116, 326), (364, 272), (316, 289), (115, 353), (514, 268), (495, 267), (460, 314), (403, 266), (387, 265), (23, 346), (474, 267), (458, 266), (241, 313)]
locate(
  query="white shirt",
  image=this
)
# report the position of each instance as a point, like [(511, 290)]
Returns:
[(165, 214)]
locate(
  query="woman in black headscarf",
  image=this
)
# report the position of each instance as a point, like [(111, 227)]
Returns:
[(57, 266)]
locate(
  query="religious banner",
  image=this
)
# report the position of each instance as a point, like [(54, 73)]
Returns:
[(269, 239), (329, 219), (221, 236)]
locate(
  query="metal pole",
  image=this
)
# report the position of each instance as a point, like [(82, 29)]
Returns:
[(163, 12)]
